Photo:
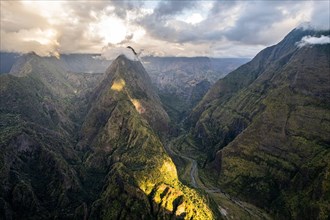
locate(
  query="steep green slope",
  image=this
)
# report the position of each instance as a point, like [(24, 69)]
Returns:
[(50, 74), (114, 168), (36, 153), (263, 131), (130, 79), (136, 178), (183, 81)]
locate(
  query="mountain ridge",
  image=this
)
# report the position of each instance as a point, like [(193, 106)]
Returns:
[(116, 168), (254, 127)]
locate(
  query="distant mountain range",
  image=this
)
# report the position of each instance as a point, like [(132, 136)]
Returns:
[(181, 81)]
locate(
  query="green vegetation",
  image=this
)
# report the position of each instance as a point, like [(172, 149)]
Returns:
[(264, 130), (67, 156), (134, 159)]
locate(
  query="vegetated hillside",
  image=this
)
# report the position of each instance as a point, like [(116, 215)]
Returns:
[(76, 63), (262, 132), (116, 168), (55, 74), (134, 81), (37, 158), (138, 179), (183, 81), (82, 63)]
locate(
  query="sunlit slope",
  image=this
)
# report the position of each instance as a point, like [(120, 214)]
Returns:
[(140, 178), (263, 131)]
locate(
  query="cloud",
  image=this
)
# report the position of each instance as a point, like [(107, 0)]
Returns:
[(311, 40), (248, 22), (112, 52), (320, 15), (170, 8), (167, 28), (267, 22), (122, 8)]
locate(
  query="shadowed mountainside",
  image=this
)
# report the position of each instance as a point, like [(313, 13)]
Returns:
[(183, 81), (262, 132)]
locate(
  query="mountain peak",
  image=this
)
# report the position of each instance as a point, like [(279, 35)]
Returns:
[(122, 59), (128, 80)]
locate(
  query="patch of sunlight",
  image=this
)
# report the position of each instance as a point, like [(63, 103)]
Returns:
[(157, 197), (118, 85), (165, 173), (168, 168), (180, 210), (169, 194), (138, 106), (166, 195), (146, 186)]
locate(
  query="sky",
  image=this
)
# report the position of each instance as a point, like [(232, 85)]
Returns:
[(160, 28)]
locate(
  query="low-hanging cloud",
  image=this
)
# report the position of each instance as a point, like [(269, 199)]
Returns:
[(311, 40)]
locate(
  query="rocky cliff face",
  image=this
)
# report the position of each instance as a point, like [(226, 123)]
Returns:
[(116, 168), (263, 129)]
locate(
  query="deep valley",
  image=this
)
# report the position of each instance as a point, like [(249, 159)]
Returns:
[(82, 137)]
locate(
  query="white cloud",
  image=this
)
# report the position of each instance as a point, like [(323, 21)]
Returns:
[(180, 28), (195, 18), (111, 29), (310, 40), (111, 53)]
